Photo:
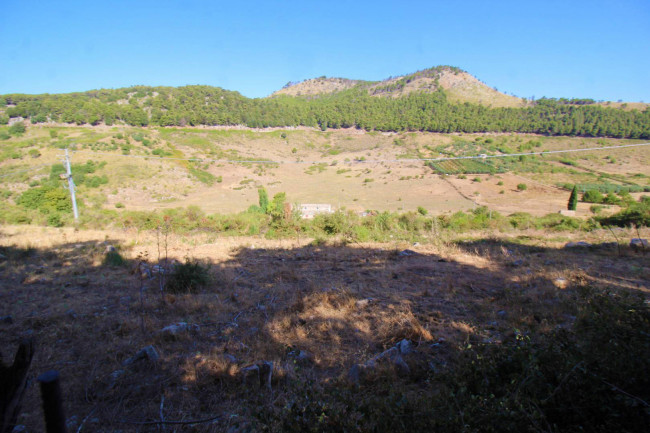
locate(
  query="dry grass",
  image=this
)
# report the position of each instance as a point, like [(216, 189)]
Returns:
[(341, 304)]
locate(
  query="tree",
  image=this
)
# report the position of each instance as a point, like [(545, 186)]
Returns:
[(263, 200), (573, 199)]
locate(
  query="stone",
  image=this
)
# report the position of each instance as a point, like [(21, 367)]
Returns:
[(251, 375), (638, 244), (114, 376), (258, 374), (146, 353), (502, 313), (19, 429), (110, 249), (608, 245), (517, 263), (7, 320), (405, 347), (266, 373), (407, 253), (230, 358), (393, 357), (561, 283), (179, 327), (357, 372), (579, 244), (363, 303)]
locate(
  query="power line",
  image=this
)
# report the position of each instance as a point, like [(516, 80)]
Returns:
[(363, 161)]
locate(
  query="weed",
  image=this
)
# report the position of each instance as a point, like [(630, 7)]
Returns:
[(188, 277)]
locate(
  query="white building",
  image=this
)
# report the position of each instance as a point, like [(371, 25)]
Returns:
[(308, 211)]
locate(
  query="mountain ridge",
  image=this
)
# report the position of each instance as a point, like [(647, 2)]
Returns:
[(459, 85)]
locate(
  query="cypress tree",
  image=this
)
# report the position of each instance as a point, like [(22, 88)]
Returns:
[(573, 199), (263, 200)]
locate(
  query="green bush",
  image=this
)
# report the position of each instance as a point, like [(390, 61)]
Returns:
[(592, 196), (17, 129), (188, 277), (113, 259), (522, 187)]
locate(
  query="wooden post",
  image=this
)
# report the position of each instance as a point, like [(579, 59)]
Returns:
[(52, 402), (13, 380)]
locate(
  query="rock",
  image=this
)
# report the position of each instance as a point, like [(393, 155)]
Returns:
[(638, 244), (258, 374), (72, 422), (405, 347), (608, 245), (251, 375), (110, 249), (266, 373), (357, 372), (517, 263), (407, 253), (179, 327), (502, 313), (363, 303), (393, 357), (114, 376), (579, 244), (146, 353), (19, 429), (230, 358), (7, 320), (561, 283)]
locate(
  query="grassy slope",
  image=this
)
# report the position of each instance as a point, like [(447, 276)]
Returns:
[(395, 185)]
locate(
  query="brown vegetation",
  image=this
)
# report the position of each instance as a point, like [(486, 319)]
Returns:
[(268, 300)]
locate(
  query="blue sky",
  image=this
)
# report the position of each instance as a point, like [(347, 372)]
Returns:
[(570, 48)]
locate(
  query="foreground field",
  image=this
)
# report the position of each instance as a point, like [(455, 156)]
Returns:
[(315, 311)]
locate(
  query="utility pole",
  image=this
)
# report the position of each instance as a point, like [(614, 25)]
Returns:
[(71, 185)]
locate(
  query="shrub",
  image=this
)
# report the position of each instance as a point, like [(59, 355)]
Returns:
[(596, 209), (422, 211), (17, 129), (188, 277), (113, 259), (119, 205), (54, 220), (592, 196), (522, 187)]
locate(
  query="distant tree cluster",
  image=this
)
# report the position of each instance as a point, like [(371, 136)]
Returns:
[(418, 111)]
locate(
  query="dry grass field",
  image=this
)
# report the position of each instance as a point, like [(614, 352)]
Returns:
[(349, 169), (317, 310), (268, 301)]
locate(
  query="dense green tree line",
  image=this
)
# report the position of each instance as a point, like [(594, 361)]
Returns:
[(205, 105)]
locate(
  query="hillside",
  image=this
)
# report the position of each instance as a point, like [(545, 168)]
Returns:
[(443, 99), (458, 85)]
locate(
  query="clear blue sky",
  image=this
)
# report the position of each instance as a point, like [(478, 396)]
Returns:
[(569, 48)]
